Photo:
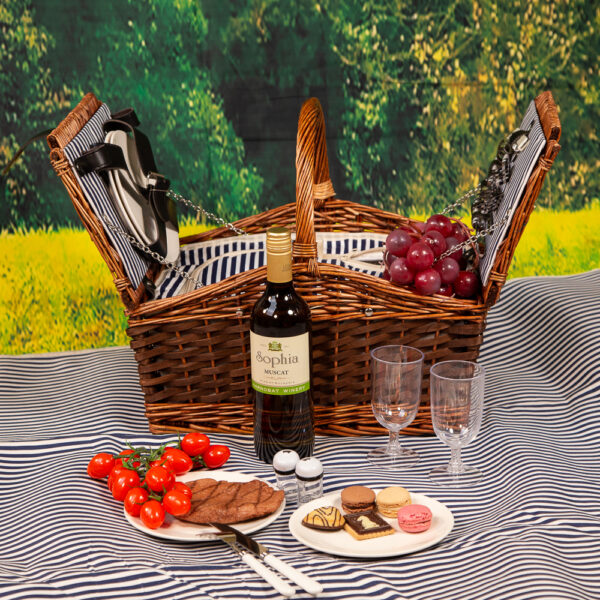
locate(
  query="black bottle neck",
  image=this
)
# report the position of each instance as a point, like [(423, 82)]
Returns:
[(274, 288)]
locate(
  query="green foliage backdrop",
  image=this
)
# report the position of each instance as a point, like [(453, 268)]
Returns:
[(416, 94)]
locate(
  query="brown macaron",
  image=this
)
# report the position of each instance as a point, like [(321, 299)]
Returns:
[(357, 498)]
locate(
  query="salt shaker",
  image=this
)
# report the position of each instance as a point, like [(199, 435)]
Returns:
[(284, 465), (309, 477)]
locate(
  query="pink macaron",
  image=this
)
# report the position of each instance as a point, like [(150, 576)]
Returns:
[(414, 518)]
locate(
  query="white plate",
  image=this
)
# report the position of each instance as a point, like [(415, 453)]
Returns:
[(341, 543), (174, 529), (172, 244), (133, 206)]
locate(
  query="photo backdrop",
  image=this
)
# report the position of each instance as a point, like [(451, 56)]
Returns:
[(416, 97)]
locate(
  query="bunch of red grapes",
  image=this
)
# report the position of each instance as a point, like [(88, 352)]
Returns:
[(412, 257)]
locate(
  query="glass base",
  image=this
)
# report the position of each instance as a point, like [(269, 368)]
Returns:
[(467, 477), (404, 459)]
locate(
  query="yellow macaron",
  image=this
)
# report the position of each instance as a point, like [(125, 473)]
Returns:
[(391, 499)]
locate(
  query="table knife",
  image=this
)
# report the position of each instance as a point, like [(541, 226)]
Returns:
[(306, 583), (279, 584)]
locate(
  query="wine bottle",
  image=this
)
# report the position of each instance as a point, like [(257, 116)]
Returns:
[(280, 335)]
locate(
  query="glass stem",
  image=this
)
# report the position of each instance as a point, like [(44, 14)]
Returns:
[(394, 446), (455, 465)]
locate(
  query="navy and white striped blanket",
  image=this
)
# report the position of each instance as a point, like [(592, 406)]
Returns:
[(530, 530)]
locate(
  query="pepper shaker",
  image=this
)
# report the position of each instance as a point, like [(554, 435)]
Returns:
[(284, 465), (309, 477)]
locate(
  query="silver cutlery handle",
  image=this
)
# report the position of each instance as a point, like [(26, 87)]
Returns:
[(279, 584), (304, 581)]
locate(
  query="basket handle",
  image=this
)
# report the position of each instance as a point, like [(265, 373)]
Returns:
[(313, 185)]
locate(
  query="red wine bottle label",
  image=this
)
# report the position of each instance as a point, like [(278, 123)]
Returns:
[(280, 366)]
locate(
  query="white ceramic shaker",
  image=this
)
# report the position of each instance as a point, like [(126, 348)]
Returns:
[(309, 478), (284, 465)]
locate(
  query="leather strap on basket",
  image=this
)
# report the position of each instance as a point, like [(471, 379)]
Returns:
[(313, 185)]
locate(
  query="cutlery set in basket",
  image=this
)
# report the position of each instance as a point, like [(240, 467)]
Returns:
[(188, 301)]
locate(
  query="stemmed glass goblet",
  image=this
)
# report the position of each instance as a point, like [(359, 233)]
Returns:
[(395, 395), (457, 388)]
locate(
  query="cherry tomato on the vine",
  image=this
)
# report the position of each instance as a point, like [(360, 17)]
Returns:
[(134, 499), (115, 472), (176, 503), (124, 481), (159, 479), (124, 454), (177, 460), (195, 443), (216, 456), (101, 465), (161, 462), (152, 514), (184, 489)]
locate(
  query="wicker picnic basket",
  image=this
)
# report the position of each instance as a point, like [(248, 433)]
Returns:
[(192, 350)]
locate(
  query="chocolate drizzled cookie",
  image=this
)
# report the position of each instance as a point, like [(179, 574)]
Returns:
[(326, 518)]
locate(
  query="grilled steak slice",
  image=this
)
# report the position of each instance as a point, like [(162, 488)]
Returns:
[(231, 502)]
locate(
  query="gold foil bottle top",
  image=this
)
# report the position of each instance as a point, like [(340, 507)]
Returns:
[(279, 255), (279, 240)]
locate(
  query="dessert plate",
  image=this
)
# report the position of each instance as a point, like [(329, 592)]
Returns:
[(341, 543), (174, 529)]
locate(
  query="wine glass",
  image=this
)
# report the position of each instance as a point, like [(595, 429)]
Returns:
[(395, 396), (456, 412)]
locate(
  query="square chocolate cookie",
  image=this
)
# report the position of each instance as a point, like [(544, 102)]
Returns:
[(366, 525)]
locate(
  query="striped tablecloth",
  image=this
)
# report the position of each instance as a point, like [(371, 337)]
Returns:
[(531, 529)]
